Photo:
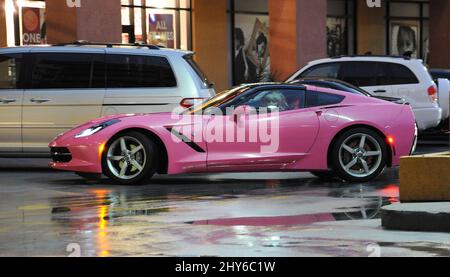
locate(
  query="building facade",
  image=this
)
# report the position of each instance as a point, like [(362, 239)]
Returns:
[(239, 41)]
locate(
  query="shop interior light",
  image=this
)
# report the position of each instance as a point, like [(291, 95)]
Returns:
[(20, 3), (158, 4), (10, 10)]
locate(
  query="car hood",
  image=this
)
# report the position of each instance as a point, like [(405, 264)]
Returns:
[(148, 120)]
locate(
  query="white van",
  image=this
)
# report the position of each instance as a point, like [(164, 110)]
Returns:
[(45, 91)]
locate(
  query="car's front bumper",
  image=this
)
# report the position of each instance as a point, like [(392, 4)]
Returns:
[(83, 157)]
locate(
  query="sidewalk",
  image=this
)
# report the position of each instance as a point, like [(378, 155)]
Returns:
[(428, 217)]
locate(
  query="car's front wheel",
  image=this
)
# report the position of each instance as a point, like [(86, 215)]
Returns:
[(359, 155), (130, 159)]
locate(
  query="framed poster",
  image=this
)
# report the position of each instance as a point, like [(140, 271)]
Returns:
[(33, 26), (405, 38), (161, 31), (251, 49)]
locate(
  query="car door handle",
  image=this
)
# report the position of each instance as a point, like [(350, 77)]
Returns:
[(380, 91), (39, 100), (7, 101)]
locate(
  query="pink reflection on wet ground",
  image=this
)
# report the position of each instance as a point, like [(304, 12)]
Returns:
[(269, 221)]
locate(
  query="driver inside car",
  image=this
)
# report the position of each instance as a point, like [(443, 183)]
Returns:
[(274, 100)]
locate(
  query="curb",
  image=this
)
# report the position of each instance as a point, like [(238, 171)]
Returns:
[(423, 217)]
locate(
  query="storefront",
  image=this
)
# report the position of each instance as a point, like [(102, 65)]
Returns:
[(398, 27), (160, 22), (25, 22), (237, 41)]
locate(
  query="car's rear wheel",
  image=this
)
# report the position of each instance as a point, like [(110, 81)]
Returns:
[(130, 159), (359, 155)]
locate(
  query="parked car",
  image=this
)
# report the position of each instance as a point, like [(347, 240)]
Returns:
[(442, 79), (324, 131), (45, 91), (386, 76), (440, 73), (343, 86)]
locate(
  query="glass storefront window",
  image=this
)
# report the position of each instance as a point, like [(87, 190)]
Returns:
[(251, 6), (160, 22), (425, 40), (426, 10), (404, 9), (408, 24), (340, 27)]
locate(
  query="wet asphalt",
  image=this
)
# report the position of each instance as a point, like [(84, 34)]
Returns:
[(51, 213)]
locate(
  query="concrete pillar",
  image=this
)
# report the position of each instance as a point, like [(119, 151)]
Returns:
[(95, 20), (61, 22), (3, 41), (370, 29), (210, 39), (297, 34), (439, 34), (100, 20)]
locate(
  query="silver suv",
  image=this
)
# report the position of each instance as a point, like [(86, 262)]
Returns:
[(45, 91)]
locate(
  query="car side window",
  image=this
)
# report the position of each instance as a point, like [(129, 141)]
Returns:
[(67, 70), (133, 71), (317, 99), (10, 68), (399, 74), (270, 100), (362, 74), (328, 70)]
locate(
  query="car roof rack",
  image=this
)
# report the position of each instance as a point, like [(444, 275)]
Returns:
[(108, 45), (371, 56)]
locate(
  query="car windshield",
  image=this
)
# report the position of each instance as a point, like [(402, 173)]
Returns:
[(216, 101)]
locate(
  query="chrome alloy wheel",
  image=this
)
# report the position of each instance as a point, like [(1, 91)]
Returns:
[(126, 158), (360, 155)]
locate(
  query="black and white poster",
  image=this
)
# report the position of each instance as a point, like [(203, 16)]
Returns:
[(405, 39), (251, 49)]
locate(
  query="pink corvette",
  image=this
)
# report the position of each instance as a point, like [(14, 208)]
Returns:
[(252, 128)]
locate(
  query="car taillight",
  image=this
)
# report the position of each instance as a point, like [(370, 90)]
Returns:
[(189, 102), (432, 93)]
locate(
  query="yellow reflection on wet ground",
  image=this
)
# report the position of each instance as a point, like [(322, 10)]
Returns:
[(102, 235)]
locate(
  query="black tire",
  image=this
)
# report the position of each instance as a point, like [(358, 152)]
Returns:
[(324, 175), (148, 168), (349, 174)]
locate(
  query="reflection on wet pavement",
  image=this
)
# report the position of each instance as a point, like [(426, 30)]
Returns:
[(221, 215), (276, 214)]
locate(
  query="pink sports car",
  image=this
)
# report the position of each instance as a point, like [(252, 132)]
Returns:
[(252, 128)]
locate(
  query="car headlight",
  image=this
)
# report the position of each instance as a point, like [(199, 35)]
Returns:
[(96, 128)]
